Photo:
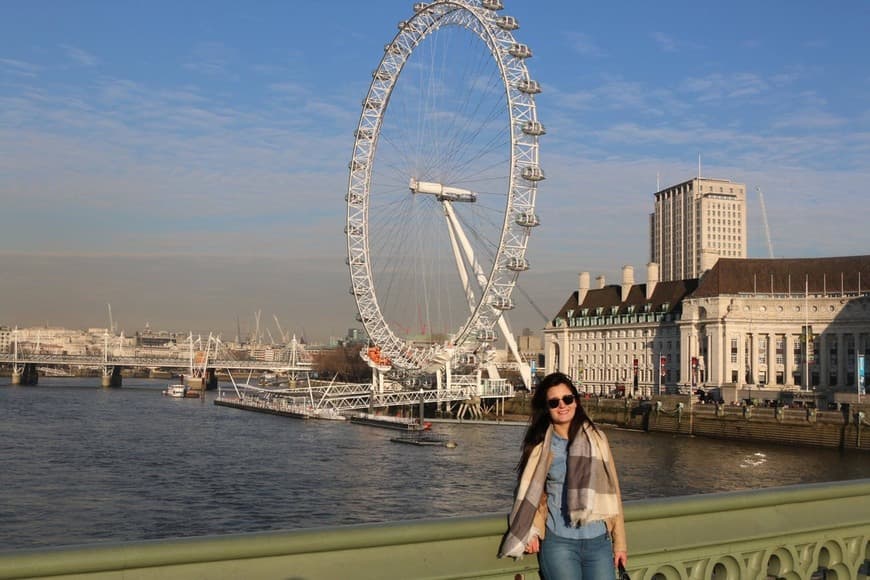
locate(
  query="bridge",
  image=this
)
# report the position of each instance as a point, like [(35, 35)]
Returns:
[(805, 532), (318, 396), (200, 362)]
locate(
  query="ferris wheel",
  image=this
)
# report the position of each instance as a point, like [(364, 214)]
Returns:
[(442, 184)]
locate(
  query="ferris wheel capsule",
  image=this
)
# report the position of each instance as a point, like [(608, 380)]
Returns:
[(529, 86), (528, 219), (507, 23), (533, 173), (518, 50), (534, 128)]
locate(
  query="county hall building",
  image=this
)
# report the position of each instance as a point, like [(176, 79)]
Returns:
[(744, 327)]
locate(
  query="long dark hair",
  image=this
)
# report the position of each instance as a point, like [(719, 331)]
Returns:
[(540, 419)]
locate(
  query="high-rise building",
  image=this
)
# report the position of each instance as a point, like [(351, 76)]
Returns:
[(694, 224)]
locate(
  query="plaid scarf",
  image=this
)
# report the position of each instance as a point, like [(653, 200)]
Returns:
[(589, 484)]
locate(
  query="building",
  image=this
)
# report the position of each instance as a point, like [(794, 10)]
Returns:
[(530, 347), (778, 324), (748, 328), (5, 339), (620, 337), (694, 224)]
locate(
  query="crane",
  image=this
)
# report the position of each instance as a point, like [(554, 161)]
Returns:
[(111, 322), (764, 220), (284, 337)]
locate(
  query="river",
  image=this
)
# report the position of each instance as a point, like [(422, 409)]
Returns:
[(81, 464)]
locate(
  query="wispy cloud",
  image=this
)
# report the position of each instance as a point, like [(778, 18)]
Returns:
[(664, 41), (718, 86), (18, 67), (213, 59), (810, 119), (584, 45), (80, 56)]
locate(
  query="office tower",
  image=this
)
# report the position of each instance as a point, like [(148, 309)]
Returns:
[(694, 224)]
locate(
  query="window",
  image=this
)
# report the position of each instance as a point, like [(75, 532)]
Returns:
[(780, 351), (734, 353)]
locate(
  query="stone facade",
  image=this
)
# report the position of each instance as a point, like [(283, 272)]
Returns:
[(745, 324)]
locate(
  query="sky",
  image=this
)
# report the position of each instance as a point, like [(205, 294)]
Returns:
[(186, 162)]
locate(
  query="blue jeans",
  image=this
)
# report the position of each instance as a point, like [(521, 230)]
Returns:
[(569, 559)]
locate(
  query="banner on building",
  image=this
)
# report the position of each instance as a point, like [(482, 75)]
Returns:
[(809, 345), (862, 374), (662, 362)]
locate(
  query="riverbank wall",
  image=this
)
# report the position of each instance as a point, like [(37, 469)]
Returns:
[(848, 428), (845, 429)]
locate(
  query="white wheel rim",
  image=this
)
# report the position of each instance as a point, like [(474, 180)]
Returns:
[(386, 273)]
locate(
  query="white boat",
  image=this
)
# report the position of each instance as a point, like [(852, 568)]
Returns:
[(328, 414), (177, 391)]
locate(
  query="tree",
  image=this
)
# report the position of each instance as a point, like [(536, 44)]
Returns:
[(343, 363)]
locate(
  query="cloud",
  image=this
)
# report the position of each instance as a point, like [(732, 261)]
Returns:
[(584, 45), (19, 67), (213, 59), (809, 119), (722, 86), (80, 56), (664, 41)]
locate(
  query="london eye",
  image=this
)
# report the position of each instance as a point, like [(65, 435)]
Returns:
[(442, 183)]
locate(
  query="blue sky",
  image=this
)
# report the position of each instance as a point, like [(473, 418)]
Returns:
[(187, 161)]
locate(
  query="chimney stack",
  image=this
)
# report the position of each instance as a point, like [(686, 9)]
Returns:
[(627, 281), (583, 288), (652, 278), (600, 281)]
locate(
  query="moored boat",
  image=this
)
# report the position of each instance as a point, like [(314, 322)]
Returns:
[(176, 391), (389, 422), (424, 438)]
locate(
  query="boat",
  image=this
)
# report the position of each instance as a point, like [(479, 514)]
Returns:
[(424, 438), (177, 391), (181, 391), (389, 422), (327, 414)]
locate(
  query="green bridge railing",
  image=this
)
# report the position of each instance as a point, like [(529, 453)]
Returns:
[(806, 532)]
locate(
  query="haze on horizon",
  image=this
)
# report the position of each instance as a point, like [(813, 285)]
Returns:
[(187, 163)]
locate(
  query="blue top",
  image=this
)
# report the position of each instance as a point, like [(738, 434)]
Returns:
[(557, 501)]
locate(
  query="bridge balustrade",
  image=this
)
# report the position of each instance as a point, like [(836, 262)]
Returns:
[(807, 532)]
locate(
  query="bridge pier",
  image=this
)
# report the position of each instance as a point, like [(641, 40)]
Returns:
[(211, 379), (194, 382), (25, 375), (111, 377)]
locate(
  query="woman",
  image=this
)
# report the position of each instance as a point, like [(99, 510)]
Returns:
[(568, 508)]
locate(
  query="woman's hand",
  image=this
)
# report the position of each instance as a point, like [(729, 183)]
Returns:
[(620, 558), (534, 546)]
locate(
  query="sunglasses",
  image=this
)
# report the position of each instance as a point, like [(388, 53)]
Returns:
[(554, 403)]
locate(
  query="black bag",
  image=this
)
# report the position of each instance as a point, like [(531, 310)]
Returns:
[(623, 575)]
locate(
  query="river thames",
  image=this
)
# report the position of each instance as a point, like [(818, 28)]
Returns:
[(81, 464)]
